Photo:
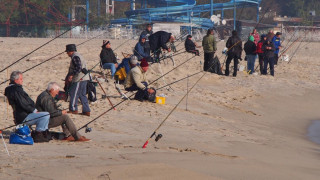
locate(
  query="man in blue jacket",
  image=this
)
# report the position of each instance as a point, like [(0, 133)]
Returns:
[(140, 50), (277, 44)]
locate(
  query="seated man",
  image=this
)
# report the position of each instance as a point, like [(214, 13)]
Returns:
[(125, 66), (46, 102), (136, 80), (24, 110), (108, 58), (140, 50), (191, 46), (159, 40)]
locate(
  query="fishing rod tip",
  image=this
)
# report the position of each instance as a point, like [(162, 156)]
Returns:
[(145, 144)]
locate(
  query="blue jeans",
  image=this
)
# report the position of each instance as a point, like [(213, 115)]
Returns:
[(250, 63), (41, 119), (110, 66), (78, 90)]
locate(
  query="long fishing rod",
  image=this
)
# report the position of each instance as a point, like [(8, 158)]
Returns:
[(155, 131), (86, 125), (39, 47), (53, 57)]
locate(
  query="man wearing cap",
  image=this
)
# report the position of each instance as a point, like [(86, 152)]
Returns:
[(137, 80), (108, 58), (147, 33), (159, 40), (78, 77), (191, 46), (140, 49), (277, 44), (268, 49)]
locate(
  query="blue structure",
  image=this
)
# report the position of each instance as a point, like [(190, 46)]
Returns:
[(184, 11)]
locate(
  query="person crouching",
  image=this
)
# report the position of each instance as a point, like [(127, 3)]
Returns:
[(137, 81)]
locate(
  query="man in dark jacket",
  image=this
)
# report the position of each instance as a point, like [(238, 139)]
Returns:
[(260, 51), (140, 50), (268, 49), (234, 45), (46, 102), (147, 33), (250, 49), (108, 58), (191, 46), (24, 110), (159, 40)]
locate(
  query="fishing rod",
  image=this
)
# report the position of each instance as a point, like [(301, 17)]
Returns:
[(86, 125), (53, 57), (40, 47), (159, 136)]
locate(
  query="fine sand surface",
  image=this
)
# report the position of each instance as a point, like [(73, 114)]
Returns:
[(248, 127)]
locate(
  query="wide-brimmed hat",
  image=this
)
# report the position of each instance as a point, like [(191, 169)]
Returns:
[(105, 42), (71, 48)]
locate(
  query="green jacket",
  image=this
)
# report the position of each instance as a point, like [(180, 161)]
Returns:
[(209, 44)]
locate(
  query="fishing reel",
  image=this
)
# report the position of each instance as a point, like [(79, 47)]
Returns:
[(158, 137), (88, 129)]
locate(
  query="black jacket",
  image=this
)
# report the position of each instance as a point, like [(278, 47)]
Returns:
[(45, 102), (20, 102), (189, 45), (159, 40), (146, 34), (250, 48), (268, 53), (107, 56), (234, 44)]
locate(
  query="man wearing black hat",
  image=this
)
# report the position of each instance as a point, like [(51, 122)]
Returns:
[(268, 49), (78, 79), (191, 46), (146, 33), (277, 44), (234, 45)]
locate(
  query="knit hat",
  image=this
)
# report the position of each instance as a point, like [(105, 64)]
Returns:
[(105, 42), (189, 36), (144, 63), (71, 48), (251, 38), (133, 60), (263, 36)]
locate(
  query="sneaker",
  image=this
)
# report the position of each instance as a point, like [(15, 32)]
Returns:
[(86, 113), (69, 138), (73, 112), (83, 139)]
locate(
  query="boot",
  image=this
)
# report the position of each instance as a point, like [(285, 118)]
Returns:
[(47, 134), (38, 137)]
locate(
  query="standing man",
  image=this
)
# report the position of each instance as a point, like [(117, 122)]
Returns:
[(268, 49), (234, 45), (260, 51), (78, 78), (46, 102), (147, 33), (24, 109), (209, 47), (108, 58), (277, 44)]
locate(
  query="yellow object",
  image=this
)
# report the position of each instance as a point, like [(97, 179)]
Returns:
[(160, 100), (121, 74)]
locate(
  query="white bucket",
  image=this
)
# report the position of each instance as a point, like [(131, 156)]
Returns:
[(285, 57), (241, 68)]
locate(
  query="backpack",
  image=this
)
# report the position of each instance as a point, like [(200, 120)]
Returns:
[(145, 95), (215, 65), (91, 90), (121, 74)]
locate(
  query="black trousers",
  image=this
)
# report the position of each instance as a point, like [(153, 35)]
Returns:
[(207, 59), (235, 67), (276, 57), (261, 63)]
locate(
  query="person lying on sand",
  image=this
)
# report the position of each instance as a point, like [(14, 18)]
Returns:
[(46, 102)]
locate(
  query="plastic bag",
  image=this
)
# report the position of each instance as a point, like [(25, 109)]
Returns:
[(22, 135)]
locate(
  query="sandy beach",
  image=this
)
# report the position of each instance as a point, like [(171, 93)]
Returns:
[(244, 127)]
